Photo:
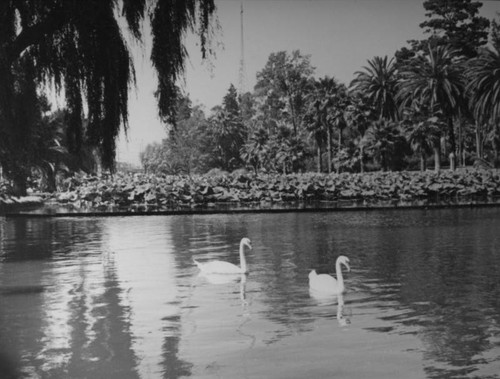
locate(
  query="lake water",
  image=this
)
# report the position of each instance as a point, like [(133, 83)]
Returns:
[(120, 297)]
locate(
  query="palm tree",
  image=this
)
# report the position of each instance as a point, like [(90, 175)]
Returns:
[(435, 82), (483, 87), (423, 136), (378, 82), (313, 121), (359, 116), (326, 106), (255, 151), (385, 141)]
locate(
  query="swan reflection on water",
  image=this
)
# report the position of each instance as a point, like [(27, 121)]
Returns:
[(328, 300), (218, 279)]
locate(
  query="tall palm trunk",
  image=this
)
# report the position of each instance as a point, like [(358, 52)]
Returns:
[(51, 185), (422, 160), (453, 146), (318, 159), (461, 160), (329, 147), (362, 158), (19, 183), (437, 156), (479, 141), (496, 146)]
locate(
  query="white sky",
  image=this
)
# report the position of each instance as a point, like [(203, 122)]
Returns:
[(339, 35)]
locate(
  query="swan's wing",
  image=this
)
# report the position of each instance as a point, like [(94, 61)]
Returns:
[(323, 282)]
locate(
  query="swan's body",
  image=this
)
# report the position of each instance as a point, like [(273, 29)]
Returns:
[(327, 284), (221, 267)]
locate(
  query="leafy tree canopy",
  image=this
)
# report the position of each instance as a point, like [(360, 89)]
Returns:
[(80, 47), (283, 84), (456, 23), (230, 101)]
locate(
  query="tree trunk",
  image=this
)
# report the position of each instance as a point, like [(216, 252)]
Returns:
[(422, 160), (461, 161), (383, 162), (361, 159), (496, 148), (19, 185), (51, 181), (318, 162), (329, 147), (452, 158), (437, 158), (453, 146), (479, 143)]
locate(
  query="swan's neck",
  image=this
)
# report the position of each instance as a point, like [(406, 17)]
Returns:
[(243, 262), (340, 278)]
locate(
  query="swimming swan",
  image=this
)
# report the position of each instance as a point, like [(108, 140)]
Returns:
[(221, 267), (328, 284)]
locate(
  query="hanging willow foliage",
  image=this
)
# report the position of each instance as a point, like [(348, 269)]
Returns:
[(79, 47)]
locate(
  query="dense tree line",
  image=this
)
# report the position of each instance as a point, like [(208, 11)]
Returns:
[(436, 99)]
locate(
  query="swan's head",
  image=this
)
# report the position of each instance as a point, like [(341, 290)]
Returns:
[(345, 261), (246, 242)]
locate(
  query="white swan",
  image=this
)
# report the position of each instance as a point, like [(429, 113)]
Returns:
[(328, 284), (221, 267)]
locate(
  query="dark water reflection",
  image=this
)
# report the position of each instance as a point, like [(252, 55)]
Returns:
[(121, 298)]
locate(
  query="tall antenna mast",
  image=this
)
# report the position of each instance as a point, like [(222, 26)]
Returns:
[(242, 79)]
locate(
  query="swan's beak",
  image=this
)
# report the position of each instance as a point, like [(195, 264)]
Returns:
[(348, 267)]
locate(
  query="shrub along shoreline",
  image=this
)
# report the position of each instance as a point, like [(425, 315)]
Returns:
[(152, 193)]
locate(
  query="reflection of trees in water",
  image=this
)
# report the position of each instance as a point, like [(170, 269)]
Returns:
[(41, 239), (173, 366), (101, 341), (24, 275), (174, 231), (449, 279), (70, 326)]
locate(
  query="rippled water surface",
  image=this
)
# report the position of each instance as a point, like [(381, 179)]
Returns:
[(121, 298)]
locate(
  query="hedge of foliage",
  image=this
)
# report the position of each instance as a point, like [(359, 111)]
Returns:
[(172, 192)]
